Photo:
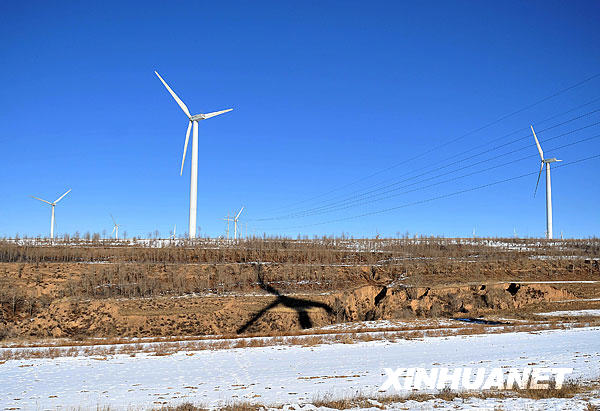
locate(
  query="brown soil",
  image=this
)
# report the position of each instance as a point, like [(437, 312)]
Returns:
[(167, 316), (131, 298), (374, 303)]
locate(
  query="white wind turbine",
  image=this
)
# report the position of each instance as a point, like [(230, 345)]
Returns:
[(194, 171), (546, 162), (235, 223), (115, 229), (52, 205)]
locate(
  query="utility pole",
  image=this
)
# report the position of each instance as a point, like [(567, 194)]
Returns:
[(228, 219)]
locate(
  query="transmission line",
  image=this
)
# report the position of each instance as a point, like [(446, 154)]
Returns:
[(443, 196), (365, 201), (369, 194), (502, 118), (382, 186)]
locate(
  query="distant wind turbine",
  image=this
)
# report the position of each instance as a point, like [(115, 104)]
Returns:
[(194, 170), (546, 162), (115, 229), (235, 223), (52, 205)]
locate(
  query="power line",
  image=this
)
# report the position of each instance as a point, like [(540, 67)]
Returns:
[(360, 202), (353, 199), (381, 186), (357, 194), (455, 193), (502, 118), (365, 201)]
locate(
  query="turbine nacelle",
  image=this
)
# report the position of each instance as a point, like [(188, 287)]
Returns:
[(192, 124), (197, 117), (206, 116), (545, 162), (52, 204), (56, 201)]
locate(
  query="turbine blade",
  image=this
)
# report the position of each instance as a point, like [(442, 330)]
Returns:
[(187, 137), (537, 143), (177, 99), (215, 113), (538, 180), (238, 214), (113, 230), (114, 222), (256, 316), (48, 202), (61, 197)]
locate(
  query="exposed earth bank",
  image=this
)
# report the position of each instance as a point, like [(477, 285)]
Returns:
[(265, 313)]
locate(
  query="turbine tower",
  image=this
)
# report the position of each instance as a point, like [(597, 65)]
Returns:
[(235, 223), (193, 123), (546, 162), (115, 227), (52, 205)]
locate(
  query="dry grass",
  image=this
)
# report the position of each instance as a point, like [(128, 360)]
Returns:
[(392, 334), (35, 275), (569, 389), (234, 406)]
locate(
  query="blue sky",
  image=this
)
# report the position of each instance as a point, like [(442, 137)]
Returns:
[(324, 95)]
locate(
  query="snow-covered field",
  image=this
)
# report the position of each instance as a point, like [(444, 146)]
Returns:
[(571, 313), (292, 375)]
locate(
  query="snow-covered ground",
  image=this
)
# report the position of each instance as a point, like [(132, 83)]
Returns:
[(571, 313), (284, 374), (555, 282), (577, 300), (379, 324)]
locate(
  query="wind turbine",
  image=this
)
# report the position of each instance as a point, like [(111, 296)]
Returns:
[(194, 170), (115, 227), (52, 204), (235, 222), (546, 162)]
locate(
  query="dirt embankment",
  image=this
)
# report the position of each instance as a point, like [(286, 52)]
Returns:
[(274, 313), (374, 303), (133, 299)]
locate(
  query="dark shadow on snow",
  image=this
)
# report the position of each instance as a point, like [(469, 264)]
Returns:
[(480, 321), (300, 305)]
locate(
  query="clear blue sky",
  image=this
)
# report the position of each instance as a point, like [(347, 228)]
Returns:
[(324, 94)]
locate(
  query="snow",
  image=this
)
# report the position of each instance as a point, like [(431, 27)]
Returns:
[(555, 282), (282, 374), (553, 404), (380, 324), (573, 313)]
